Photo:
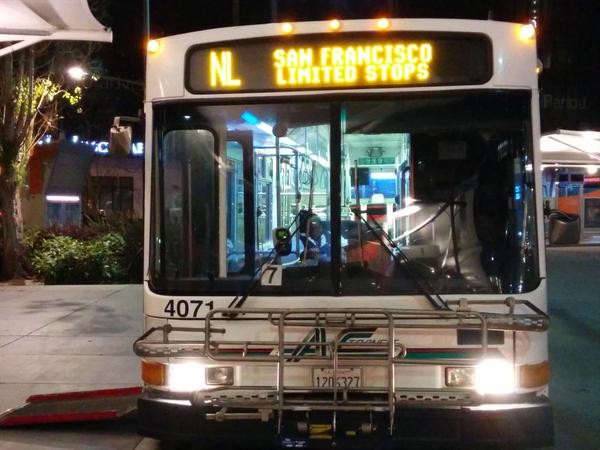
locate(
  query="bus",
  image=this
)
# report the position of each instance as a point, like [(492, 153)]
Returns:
[(344, 237)]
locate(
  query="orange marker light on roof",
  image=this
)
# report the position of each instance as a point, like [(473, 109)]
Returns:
[(153, 46), (383, 23), (287, 28), (527, 32), (335, 25)]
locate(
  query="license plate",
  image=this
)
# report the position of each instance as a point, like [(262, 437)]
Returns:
[(346, 377)]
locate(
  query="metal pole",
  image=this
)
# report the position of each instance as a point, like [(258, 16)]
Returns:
[(273, 11), (278, 181), (390, 7), (359, 216), (190, 218), (235, 13), (581, 212), (310, 205), (147, 19)]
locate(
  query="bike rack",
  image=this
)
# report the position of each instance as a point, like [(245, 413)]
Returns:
[(213, 345)]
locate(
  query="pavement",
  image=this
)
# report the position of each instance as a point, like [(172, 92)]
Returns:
[(67, 338), (574, 308)]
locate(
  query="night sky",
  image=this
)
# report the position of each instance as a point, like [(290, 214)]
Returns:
[(569, 43), (169, 17)]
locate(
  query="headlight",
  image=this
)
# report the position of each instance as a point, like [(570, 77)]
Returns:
[(494, 376), (186, 377), (190, 376), (463, 377), (219, 375)]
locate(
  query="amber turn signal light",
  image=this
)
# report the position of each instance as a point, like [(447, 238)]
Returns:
[(154, 373), (534, 375)]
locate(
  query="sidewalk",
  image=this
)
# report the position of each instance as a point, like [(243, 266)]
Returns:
[(67, 338)]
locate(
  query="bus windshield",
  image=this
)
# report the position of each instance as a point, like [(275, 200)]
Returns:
[(380, 194)]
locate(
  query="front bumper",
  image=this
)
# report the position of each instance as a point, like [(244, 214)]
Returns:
[(506, 426)]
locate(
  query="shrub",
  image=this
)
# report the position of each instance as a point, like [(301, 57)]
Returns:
[(59, 260), (66, 260), (132, 259), (99, 252)]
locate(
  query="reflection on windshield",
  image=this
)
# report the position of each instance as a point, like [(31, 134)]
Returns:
[(448, 182), (231, 176), (435, 188)]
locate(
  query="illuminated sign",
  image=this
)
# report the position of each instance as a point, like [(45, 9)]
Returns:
[(376, 161), (353, 64), (220, 70), (137, 148), (340, 61)]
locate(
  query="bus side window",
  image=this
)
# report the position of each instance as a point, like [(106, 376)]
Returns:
[(240, 203), (235, 207), (189, 225)]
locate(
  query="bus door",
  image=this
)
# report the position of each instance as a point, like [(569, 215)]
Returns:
[(264, 200), (240, 202)]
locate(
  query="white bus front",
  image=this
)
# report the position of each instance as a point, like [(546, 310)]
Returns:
[(344, 237)]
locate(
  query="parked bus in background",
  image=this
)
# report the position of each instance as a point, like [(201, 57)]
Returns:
[(344, 236)]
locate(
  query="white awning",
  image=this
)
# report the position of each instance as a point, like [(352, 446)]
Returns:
[(26, 22), (571, 148)]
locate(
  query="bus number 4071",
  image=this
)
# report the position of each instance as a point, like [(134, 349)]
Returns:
[(186, 308)]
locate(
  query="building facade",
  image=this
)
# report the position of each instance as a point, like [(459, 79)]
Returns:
[(70, 184)]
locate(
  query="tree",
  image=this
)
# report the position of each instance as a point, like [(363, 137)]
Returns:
[(31, 94)]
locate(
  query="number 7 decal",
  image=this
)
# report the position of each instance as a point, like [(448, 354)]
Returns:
[(272, 275)]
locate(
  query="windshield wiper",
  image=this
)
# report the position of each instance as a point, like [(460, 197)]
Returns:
[(240, 299), (400, 257), (403, 261)]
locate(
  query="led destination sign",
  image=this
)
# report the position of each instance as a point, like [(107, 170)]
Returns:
[(323, 61), (350, 64)]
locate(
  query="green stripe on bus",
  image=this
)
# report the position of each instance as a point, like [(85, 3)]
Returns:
[(439, 355)]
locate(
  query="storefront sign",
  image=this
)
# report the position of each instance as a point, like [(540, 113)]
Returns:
[(137, 148)]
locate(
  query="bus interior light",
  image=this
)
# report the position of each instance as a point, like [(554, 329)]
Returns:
[(247, 116), (383, 175), (407, 211)]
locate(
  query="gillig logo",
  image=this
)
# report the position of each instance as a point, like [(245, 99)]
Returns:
[(364, 343), (221, 70)]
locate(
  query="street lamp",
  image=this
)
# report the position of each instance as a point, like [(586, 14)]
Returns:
[(76, 73)]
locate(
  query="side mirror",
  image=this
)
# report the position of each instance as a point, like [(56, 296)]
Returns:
[(120, 141), (121, 136)]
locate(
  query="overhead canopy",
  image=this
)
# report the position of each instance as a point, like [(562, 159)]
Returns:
[(571, 148), (26, 22)]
